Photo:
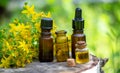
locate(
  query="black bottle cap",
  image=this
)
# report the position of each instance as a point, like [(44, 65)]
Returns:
[(78, 22), (46, 23)]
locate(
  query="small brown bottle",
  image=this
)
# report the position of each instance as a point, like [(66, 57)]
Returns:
[(81, 52), (62, 49), (78, 30), (46, 41)]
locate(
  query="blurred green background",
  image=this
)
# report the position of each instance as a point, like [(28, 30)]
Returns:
[(102, 23)]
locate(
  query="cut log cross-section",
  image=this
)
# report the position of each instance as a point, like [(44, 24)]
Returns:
[(93, 66)]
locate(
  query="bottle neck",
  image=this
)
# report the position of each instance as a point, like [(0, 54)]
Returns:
[(81, 47), (59, 35), (46, 32), (78, 31)]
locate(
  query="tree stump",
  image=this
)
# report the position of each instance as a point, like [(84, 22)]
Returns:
[(93, 66)]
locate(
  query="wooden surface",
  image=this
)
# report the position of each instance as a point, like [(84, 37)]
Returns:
[(93, 66)]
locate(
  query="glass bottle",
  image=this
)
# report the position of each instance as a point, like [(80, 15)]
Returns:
[(62, 48), (46, 41), (81, 52), (78, 30)]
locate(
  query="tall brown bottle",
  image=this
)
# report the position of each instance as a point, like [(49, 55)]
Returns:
[(46, 41), (78, 30)]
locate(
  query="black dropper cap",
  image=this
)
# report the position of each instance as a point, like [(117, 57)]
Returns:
[(78, 22), (46, 23)]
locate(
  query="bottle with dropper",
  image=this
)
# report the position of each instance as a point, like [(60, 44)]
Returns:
[(78, 30)]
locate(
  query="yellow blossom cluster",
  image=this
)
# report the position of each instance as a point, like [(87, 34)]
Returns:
[(29, 11), (20, 39)]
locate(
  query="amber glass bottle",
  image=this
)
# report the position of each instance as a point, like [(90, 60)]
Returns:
[(46, 41), (78, 30), (62, 49), (81, 52)]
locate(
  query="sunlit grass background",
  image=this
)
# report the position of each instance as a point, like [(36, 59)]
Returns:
[(102, 23)]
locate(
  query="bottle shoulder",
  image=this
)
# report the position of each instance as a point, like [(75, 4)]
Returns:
[(78, 35), (46, 37), (61, 39), (81, 50)]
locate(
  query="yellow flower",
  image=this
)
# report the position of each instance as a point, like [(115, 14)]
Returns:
[(37, 26), (26, 35), (28, 10), (35, 16), (18, 63), (13, 27), (24, 39), (42, 14), (48, 15), (5, 62), (24, 46), (21, 26), (8, 45), (13, 54)]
